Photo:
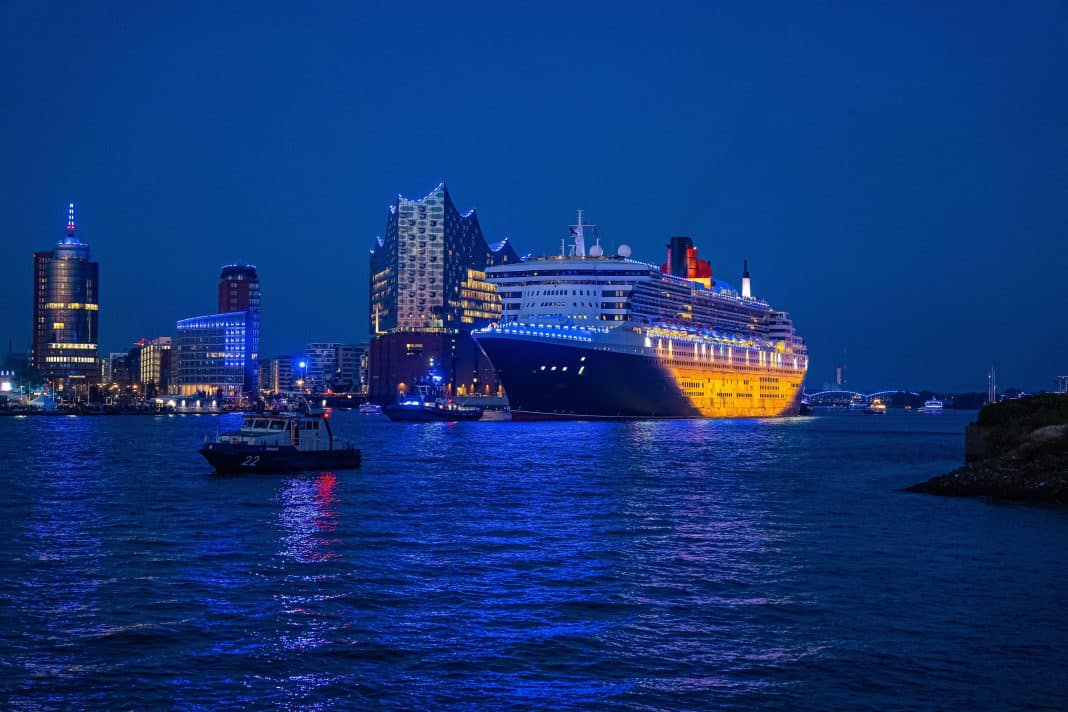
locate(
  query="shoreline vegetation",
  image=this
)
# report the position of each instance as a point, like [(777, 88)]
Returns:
[(1016, 450)]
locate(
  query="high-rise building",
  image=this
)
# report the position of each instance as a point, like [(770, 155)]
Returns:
[(115, 369), (276, 375), (239, 290), (150, 364), (212, 351), (212, 355), (428, 289), (321, 360), (66, 311), (348, 376)]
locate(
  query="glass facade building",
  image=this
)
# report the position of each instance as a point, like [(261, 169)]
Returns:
[(429, 269), (277, 375), (150, 364), (66, 311), (428, 279), (239, 290), (212, 354)]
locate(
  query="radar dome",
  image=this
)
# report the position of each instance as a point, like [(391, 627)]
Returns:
[(623, 251), (596, 251)]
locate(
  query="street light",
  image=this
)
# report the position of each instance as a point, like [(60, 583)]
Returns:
[(303, 366)]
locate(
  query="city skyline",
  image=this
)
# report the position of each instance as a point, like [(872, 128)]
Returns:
[(918, 225)]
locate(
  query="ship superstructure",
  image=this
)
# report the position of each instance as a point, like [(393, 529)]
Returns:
[(585, 335)]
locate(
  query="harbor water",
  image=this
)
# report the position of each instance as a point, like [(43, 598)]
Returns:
[(655, 565)]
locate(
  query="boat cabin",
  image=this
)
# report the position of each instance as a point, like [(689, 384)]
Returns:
[(304, 432)]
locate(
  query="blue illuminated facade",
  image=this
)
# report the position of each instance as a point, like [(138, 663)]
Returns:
[(214, 353)]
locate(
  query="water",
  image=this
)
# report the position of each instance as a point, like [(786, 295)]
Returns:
[(652, 565)]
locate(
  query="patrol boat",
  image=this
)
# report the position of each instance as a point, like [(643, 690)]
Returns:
[(283, 442), (429, 403)]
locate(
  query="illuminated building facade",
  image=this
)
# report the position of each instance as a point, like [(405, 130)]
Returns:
[(321, 358), (428, 289), (66, 311), (276, 375), (115, 370), (239, 290), (350, 373), (150, 364), (212, 354)]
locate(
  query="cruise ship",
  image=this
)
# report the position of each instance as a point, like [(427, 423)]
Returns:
[(586, 336)]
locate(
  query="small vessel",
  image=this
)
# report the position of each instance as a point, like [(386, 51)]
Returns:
[(282, 442), (420, 410), (429, 404), (876, 407), (370, 409), (932, 406)]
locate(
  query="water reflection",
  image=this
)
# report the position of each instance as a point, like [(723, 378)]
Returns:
[(309, 519), (310, 618), (58, 590)]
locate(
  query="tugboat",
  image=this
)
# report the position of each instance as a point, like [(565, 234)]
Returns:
[(282, 442), (429, 404)]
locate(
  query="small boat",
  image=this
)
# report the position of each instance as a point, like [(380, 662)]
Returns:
[(419, 410), (282, 442), (429, 403), (932, 406), (876, 407), (370, 409)]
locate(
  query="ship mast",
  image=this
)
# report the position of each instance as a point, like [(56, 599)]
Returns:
[(578, 232), (580, 240)]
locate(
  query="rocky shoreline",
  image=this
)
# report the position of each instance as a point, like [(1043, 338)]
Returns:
[(1017, 450)]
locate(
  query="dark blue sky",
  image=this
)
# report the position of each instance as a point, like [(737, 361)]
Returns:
[(897, 174)]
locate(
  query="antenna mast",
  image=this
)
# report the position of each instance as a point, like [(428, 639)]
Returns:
[(580, 240)]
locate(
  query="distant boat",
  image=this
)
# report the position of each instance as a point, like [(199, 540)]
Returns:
[(932, 406), (370, 409), (429, 403), (876, 407), (418, 411)]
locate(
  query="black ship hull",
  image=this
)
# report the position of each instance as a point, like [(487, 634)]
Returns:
[(231, 459), (595, 385)]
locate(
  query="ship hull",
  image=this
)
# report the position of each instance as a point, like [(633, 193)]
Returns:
[(548, 380)]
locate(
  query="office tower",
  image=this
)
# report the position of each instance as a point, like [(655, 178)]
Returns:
[(150, 364), (212, 355), (239, 290), (66, 312), (277, 375)]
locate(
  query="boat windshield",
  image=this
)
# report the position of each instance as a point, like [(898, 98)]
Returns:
[(278, 425)]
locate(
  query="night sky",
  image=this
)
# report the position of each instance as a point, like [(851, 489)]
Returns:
[(896, 174)]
